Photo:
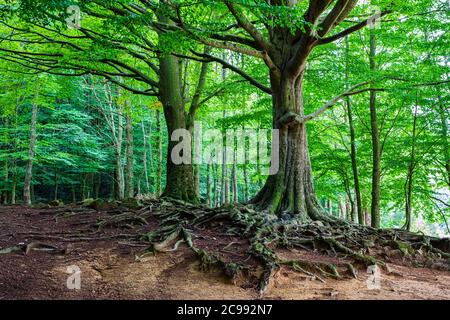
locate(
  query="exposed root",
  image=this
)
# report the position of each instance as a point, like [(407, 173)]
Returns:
[(349, 244), (127, 219)]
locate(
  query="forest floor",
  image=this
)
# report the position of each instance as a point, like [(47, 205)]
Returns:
[(110, 270)]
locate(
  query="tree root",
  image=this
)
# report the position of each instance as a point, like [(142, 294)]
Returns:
[(267, 233)]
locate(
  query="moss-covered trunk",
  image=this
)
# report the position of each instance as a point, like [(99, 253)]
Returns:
[(180, 182), (291, 189)]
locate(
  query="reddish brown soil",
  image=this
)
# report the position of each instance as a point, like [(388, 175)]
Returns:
[(109, 269)]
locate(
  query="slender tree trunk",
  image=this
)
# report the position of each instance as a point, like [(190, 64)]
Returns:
[(14, 187), (98, 185), (160, 154), (348, 210), (6, 185), (367, 217), (208, 185), (245, 172), (234, 179), (144, 157), (376, 154), (55, 196), (31, 152), (129, 184), (74, 193), (410, 174), (353, 152), (224, 184)]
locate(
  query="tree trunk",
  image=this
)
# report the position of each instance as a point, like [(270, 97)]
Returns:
[(31, 152), (214, 187), (245, 172), (129, 169), (179, 177), (4, 195), (144, 157), (160, 155), (98, 185), (119, 188), (353, 153), (55, 196), (208, 185), (376, 155), (234, 179), (410, 174), (291, 189)]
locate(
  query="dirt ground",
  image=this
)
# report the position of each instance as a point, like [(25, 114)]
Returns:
[(110, 270)]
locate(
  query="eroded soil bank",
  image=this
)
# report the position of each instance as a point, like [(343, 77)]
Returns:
[(110, 270)]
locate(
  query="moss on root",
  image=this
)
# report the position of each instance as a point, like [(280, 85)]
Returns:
[(266, 233)]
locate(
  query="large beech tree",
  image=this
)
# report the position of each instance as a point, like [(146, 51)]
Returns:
[(283, 34)]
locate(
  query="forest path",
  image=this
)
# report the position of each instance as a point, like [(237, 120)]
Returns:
[(109, 269)]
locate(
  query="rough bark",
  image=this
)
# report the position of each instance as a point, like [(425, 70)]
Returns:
[(291, 189), (179, 177)]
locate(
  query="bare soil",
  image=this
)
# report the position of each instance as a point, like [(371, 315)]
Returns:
[(110, 270)]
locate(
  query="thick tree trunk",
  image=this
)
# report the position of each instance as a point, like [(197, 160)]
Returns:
[(31, 152), (291, 189), (129, 168), (179, 177), (376, 154)]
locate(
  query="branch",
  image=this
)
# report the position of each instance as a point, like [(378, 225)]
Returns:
[(248, 26), (351, 30), (291, 118), (240, 72)]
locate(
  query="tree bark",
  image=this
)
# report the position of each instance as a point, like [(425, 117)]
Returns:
[(234, 179), (31, 153), (179, 177), (291, 189), (160, 154), (129, 169), (353, 152), (410, 174), (376, 155), (144, 157)]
